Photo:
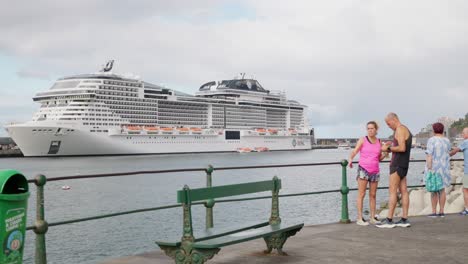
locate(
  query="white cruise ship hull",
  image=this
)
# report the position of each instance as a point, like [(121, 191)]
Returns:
[(49, 138)]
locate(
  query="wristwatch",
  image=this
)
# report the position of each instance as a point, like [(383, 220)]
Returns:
[(388, 149)]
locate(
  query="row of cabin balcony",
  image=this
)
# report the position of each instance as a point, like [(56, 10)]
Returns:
[(180, 103), (231, 117), (194, 114), (130, 84), (146, 106), (135, 111), (183, 120), (117, 93), (200, 107), (116, 88), (181, 107), (165, 110), (262, 115)]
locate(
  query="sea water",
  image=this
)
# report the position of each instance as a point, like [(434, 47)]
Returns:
[(98, 240)]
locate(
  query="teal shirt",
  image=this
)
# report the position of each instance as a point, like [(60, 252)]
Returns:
[(464, 147)]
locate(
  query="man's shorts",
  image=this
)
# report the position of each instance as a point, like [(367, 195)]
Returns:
[(402, 172), (465, 181), (363, 174)]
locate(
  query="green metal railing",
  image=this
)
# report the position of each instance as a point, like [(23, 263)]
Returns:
[(41, 226)]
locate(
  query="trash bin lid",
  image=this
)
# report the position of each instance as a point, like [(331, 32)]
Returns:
[(12, 182)]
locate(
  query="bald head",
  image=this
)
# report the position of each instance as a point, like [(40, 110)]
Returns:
[(391, 116), (392, 120)]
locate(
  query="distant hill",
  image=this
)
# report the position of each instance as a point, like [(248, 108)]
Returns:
[(458, 126)]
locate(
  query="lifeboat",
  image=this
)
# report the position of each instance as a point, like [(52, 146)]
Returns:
[(183, 130), (292, 131), (196, 130), (167, 130), (133, 130), (152, 130), (273, 131), (261, 149), (260, 131), (244, 150)]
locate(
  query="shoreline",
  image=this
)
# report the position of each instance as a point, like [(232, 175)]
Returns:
[(11, 153)]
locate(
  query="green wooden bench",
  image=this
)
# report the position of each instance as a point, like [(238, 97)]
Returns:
[(203, 246)]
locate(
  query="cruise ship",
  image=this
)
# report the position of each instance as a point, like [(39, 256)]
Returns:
[(105, 113)]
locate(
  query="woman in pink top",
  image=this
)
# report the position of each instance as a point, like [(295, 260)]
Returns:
[(369, 149)]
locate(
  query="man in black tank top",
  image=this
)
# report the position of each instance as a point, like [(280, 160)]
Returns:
[(400, 149)]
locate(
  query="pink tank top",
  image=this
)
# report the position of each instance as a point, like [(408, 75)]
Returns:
[(369, 156)]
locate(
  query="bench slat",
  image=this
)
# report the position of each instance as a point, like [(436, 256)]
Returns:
[(213, 233), (192, 195), (247, 235)]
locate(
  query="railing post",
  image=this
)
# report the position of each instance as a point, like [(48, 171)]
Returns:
[(209, 203), (275, 217), (344, 194), (40, 226)]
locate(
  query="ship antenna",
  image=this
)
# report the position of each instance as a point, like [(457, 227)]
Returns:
[(108, 66)]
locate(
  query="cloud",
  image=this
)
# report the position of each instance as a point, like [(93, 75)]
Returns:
[(350, 61), (33, 73)]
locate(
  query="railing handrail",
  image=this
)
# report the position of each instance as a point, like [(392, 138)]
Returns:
[(119, 174), (89, 218)]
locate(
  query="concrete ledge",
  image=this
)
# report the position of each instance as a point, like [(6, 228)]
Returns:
[(439, 240)]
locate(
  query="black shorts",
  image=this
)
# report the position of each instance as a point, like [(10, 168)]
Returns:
[(400, 171)]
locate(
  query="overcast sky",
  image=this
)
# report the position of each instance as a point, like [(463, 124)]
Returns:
[(349, 61)]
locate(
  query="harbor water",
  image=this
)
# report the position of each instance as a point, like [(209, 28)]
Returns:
[(98, 240)]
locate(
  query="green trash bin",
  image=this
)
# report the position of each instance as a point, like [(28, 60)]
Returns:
[(14, 196)]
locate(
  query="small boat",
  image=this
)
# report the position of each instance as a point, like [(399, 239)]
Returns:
[(273, 131), (167, 130), (261, 149), (66, 187), (183, 130), (133, 129), (196, 130), (152, 130), (244, 150), (260, 131), (344, 146)]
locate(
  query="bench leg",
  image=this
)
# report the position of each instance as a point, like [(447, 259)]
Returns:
[(276, 241), (188, 255)]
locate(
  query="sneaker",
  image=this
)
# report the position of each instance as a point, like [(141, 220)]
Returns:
[(385, 224), (464, 212), (374, 221), (433, 215), (362, 222), (441, 215), (403, 223)]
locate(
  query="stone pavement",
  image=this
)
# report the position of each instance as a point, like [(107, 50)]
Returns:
[(439, 240)]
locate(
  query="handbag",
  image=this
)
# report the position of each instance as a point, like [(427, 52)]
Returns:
[(433, 181)]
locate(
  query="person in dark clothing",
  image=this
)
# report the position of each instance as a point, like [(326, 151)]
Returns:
[(400, 149)]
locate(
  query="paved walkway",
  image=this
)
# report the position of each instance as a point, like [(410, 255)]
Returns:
[(440, 240)]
